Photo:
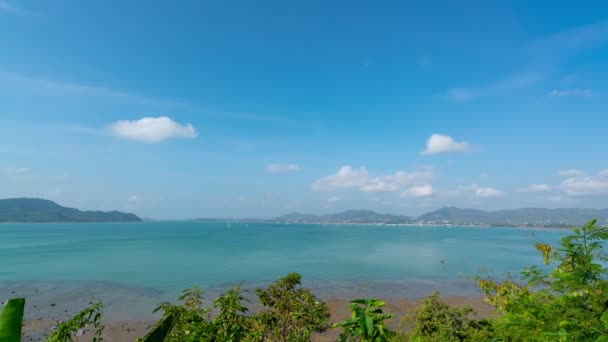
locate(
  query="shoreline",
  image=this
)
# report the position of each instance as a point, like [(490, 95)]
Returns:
[(127, 330), (438, 225)]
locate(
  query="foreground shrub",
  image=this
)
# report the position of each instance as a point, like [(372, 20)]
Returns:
[(567, 303), (291, 313), (435, 320), (366, 322), (190, 318), (87, 319)]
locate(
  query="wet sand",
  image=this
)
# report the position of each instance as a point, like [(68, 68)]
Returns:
[(128, 330)]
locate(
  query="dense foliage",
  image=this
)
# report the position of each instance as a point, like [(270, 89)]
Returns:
[(435, 320), (366, 322), (568, 302), (290, 313)]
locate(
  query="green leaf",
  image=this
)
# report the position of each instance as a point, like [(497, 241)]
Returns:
[(161, 331), (369, 322), (604, 319), (11, 318)]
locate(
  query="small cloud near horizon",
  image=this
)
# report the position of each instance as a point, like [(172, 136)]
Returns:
[(535, 188), (151, 130), (348, 177), (439, 143), (425, 190), (281, 168), (482, 192), (333, 199), (581, 185)]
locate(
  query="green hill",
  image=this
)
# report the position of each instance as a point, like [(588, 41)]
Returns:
[(537, 217), (349, 216), (41, 210)]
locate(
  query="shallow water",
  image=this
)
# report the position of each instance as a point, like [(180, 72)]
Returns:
[(132, 266)]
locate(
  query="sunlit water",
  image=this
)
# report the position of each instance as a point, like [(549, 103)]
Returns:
[(132, 266)]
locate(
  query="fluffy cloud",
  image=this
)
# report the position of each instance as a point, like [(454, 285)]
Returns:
[(346, 177), (333, 199), (535, 188), (133, 198), (279, 168), (418, 191), (439, 143), (151, 130), (349, 178), (580, 185), (571, 92)]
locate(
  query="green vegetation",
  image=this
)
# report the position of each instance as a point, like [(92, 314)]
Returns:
[(41, 210), (366, 322), (435, 320), (566, 303), (10, 320), (290, 313), (87, 318)]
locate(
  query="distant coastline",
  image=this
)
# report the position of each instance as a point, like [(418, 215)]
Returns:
[(450, 216), (380, 224)]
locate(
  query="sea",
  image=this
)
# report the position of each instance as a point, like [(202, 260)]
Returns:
[(132, 267)]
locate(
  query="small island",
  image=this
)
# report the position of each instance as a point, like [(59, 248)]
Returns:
[(42, 210)]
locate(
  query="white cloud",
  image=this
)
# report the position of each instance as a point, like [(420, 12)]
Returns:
[(535, 188), (280, 168), (439, 143), (133, 198), (333, 199), (348, 177), (151, 130), (418, 191), (483, 192), (488, 192), (570, 173), (571, 93), (580, 185)]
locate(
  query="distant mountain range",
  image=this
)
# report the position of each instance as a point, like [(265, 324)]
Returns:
[(533, 217), (41, 210), (350, 216)]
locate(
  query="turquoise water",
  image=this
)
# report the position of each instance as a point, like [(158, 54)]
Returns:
[(156, 259)]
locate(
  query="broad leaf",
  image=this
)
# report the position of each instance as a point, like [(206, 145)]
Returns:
[(11, 318)]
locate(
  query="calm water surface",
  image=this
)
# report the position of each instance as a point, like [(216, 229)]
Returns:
[(154, 259)]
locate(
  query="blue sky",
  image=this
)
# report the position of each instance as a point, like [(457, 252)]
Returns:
[(254, 109)]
